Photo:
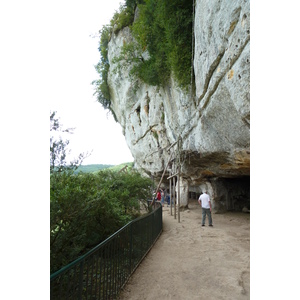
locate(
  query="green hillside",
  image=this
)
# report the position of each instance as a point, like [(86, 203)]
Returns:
[(122, 166), (97, 167), (92, 168)]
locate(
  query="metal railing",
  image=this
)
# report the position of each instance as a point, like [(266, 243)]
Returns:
[(104, 270)]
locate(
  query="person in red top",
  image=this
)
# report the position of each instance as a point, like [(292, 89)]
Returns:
[(158, 196)]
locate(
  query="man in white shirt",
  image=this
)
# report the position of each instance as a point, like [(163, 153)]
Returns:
[(205, 203)]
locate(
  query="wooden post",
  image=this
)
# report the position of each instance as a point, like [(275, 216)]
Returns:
[(170, 182), (178, 177), (178, 193), (162, 177), (174, 197)]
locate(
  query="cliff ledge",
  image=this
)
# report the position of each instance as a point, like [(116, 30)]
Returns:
[(210, 131)]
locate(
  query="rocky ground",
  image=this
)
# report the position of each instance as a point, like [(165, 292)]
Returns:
[(189, 261)]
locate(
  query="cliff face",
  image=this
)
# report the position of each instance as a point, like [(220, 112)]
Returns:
[(212, 128)]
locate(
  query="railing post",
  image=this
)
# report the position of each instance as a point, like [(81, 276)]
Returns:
[(130, 252), (80, 281), (153, 227)]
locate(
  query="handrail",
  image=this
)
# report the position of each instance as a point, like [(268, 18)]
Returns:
[(81, 258), (103, 271)]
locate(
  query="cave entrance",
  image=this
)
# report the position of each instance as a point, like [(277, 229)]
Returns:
[(227, 194), (232, 194)]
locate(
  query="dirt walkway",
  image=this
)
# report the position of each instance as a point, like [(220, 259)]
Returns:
[(193, 262)]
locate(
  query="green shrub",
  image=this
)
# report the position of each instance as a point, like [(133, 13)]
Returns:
[(122, 18), (164, 31), (86, 208)]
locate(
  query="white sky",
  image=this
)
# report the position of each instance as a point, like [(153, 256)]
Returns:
[(60, 54), (72, 70)]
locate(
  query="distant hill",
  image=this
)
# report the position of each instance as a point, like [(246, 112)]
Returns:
[(122, 166), (96, 168), (92, 168)]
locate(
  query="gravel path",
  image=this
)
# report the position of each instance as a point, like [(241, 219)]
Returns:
[(189, 261)]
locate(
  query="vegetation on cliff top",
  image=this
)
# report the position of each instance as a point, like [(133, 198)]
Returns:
[(162, 44)]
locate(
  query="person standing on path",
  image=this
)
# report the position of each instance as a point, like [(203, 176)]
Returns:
[(205, 203), (162, 197)]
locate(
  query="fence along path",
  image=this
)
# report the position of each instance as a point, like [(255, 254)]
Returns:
[(103, 271), (189, 261)]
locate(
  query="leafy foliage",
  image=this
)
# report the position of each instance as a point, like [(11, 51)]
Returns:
[(133, 3), (86, 208), (162, 46), (122, 18), (164, 30)]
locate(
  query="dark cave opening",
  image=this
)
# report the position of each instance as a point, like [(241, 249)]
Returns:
[(232, 194)]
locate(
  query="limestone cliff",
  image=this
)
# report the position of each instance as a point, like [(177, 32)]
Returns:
[(213, 126)]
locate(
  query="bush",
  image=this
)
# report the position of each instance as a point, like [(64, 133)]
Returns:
[(163, 30), (122, 18), (87, 208)]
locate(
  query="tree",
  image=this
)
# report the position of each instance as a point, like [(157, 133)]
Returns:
[(58, 148), (86, 208)]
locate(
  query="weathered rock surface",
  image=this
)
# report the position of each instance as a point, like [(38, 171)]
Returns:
[(213, 128)]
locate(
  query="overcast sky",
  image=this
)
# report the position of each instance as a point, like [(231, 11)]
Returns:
[(74, 52)]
